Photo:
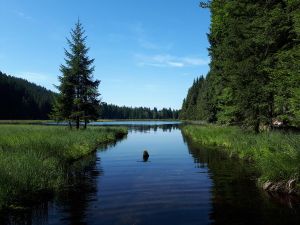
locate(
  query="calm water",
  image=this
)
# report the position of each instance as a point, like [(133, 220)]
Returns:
[(180, 184), (136, 123)]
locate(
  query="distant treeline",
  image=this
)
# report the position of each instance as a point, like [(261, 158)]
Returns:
[(21, 99), (254, 77), (109, 111)]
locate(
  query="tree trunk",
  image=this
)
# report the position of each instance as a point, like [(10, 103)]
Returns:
[(256, 128), (77, 122), (256, 122), (85, 123)]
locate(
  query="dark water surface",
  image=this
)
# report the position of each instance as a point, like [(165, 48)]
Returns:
[(179, 184)]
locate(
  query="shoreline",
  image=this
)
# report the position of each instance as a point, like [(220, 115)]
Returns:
[(274, 155), (35, 159)]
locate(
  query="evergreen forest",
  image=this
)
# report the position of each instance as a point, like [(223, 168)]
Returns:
[(110, 111), (21, 99), (254, 71)]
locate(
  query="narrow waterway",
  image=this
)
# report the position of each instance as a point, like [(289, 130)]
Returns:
[(179, 184)]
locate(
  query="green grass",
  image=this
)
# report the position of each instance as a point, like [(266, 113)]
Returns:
[(25, 121), (33, 158), (275, 155)]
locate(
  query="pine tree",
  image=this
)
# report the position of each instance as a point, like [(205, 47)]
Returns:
[(254, 70), (79, 97)]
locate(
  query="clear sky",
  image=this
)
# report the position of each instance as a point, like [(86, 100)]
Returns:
[(147, 52)]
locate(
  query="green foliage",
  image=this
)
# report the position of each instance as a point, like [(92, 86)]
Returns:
[(109, 111), (190, 109), (27, 103), (254, 71), (21, 99), (275, 155), (79, 98), (34, 158)]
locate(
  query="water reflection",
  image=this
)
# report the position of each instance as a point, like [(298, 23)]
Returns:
[(181, 184), (236, 199), (72, 202), (135, 123), (154, 128)]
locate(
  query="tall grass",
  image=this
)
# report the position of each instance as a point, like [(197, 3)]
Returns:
[(33, 158), (25, 121), (276, 155)]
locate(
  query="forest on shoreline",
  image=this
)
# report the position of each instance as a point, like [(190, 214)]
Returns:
[(254, 71), (23, 100)]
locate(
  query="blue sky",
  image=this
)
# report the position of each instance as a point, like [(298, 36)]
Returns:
[(147, 52)]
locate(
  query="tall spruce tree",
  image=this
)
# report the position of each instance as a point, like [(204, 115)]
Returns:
[(254, 71), (79, 98)]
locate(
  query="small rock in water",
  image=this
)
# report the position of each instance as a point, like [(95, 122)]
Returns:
[(145, 156)]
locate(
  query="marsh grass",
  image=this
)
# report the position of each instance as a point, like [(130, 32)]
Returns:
[(275, 155), (33, 158), (25, 121)]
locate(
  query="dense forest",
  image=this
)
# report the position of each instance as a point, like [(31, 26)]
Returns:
[(21, 99), (254, 76), (109, 111)]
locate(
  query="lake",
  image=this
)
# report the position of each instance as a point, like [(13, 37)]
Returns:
[(179, 184)]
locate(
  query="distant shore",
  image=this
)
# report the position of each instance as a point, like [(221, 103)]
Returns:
[(99, 120)]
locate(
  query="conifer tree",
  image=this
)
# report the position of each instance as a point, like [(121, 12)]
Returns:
[(79, 98), (254, 70)]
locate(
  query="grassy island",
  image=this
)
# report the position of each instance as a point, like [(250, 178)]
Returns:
[(33, 158)]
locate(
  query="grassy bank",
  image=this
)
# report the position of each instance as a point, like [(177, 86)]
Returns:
[(25, 121), (40, 122), (34, 158), (275, 155)]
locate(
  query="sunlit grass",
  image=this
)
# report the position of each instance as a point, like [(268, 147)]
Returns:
[(33, 158), (276, 155), (25, 121)]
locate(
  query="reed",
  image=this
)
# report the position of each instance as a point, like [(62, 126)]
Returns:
[(33, 158), (275, 155)]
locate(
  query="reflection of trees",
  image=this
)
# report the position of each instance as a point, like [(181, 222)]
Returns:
[(81, 183), (35, 215), (106, 146), (147, 128), (74, 201), (235, 196)]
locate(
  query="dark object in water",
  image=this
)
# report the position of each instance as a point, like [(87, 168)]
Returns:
[(145, 156)]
